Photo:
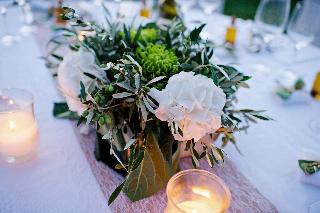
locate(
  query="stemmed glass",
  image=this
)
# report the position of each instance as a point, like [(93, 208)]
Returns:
[(271, 18), (304, 24), (27, 17), (185, 5), (210, 6), (7, 38)]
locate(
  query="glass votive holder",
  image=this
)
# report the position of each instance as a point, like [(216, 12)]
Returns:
[(18, 129), (197, 191)]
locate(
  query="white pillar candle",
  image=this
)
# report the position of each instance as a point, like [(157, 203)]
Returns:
[(18, 133)]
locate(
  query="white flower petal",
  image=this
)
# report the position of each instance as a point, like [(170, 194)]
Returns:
[(193, 102)]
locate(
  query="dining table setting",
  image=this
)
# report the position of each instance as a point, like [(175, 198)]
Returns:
[(163, 106)]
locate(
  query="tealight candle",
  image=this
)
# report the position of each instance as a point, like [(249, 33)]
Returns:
[(197, 191), (18, 129)]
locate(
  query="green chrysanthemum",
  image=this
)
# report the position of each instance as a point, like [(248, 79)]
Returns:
[(156, 60)]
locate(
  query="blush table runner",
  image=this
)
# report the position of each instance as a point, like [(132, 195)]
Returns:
[(245, 197)]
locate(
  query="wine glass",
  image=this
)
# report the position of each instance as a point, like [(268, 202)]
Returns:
[(271, 18), (185, 5), (304, 24), (27, 17), (210, 6), (7, 38)]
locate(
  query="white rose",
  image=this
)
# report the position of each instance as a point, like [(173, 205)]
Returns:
[(192, 102), (71, 71)]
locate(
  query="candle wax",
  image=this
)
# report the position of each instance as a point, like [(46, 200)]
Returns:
[(195, 207), (18, 133)]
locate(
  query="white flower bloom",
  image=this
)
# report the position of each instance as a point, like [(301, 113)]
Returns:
[(71, 71), (192, 102)]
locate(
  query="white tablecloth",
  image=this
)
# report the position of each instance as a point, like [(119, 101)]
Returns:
[(60, 180), (271, 149)]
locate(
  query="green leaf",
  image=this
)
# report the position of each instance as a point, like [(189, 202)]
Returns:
[(188, 144), (151, 175), (61, 110), (194, 35), (115, 193), (309, 167), (209, 159), (122, 95), (58, 57), (83, 94), (262, 117)]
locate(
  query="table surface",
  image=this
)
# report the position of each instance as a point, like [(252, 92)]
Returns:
[(59, 179)]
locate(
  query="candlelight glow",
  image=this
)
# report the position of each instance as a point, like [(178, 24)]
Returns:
[(11, 102), (12, 125), (201, 191)]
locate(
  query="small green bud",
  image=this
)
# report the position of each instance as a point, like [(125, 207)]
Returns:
[(97, 99), (108, 119), (110, 88), (101, 121), (85, 113), (205, 71)]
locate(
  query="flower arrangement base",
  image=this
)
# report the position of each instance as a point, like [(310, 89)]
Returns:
[(102, 153)]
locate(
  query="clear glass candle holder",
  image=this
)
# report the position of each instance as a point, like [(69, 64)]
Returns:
[(18, 129), (197, 191)]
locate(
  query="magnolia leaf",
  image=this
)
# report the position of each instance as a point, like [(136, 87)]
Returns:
[(155, 80), (151, 175), (122, 95)]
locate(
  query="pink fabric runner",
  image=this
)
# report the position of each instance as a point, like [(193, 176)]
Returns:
[(245, 197)]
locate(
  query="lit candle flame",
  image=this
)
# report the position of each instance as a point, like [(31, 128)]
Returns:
[(12, 125), (10, 102)]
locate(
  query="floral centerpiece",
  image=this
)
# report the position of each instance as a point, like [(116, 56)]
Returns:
[(147, 91)]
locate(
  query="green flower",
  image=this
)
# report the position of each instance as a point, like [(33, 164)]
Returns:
[(156, 60), (148, 34)]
